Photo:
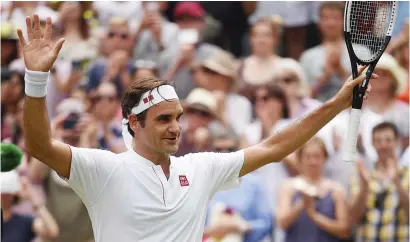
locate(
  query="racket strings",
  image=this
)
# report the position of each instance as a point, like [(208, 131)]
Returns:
[(369, 21)]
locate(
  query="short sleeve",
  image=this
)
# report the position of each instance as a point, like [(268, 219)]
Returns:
[(222, 169), (90, 171)]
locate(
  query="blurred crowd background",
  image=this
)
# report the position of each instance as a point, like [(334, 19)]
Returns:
[(243, 70)]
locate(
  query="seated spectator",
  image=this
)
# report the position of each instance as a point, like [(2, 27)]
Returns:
[(106, 103), (74, 127), (327, 65), (379, 198), (383, 102), (292, 79), (200, 111), (155, 38), (22, 228), (145, 68), (312, 207), (242, 213), (9, 48), (221, 79), (191, 49), (262, 65), (78, 45)]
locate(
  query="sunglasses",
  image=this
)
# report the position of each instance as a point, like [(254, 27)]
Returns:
[(116, 34), (201, 113), (225, 149)]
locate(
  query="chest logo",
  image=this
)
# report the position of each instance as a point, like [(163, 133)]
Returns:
[(183, 181)]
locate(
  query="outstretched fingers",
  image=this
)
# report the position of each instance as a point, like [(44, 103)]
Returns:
[(48, 30), (29, 26), (58, 46), (21, 38), (37, 29)]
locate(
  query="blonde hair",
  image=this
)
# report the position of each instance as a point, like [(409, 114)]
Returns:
[(315, 140), (275, 23)]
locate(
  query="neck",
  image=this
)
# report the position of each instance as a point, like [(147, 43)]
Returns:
[(72, 28), (155, 157), (379, 101), (333, 40), (313, 179), (263, 56)]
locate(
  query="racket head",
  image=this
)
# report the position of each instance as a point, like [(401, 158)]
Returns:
[(368, 26)]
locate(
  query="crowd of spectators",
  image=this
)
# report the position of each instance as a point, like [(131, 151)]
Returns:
[(243, 71)]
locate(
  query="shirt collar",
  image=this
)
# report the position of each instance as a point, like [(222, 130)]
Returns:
[(142, 160)]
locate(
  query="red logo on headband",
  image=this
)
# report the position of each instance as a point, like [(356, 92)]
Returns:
[(147, 99)]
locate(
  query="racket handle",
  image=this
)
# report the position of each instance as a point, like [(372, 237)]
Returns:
[(352, 133)]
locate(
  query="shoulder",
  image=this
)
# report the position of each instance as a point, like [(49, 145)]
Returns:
[(311, 53), (337, 189), (238, 100)]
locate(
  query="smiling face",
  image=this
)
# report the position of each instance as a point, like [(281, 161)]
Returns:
[(161, 129)]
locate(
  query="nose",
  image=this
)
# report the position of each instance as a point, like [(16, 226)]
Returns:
[(174, 127)]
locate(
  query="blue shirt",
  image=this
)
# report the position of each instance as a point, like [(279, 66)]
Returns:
[(18, 229), (250, 201)]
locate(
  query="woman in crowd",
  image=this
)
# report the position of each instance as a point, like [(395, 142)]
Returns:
[(312, 207), (262, 65), (383, 100), (78, 45), (293, 81)]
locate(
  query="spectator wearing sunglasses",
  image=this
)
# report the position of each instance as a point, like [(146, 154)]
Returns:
[(115, 65), (292, 79), (105, 108), (220, 77), (200, 118), (243, 213), (145, 68)]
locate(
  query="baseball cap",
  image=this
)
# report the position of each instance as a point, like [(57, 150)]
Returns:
[(190, 9), (222, 63), (201, 99)]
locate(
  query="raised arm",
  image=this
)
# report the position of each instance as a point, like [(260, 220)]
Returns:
[(39, 56), (280, 145)]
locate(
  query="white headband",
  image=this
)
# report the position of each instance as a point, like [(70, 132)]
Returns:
[(149, 99)]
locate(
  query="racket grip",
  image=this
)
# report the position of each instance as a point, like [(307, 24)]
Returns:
[(350, 149)]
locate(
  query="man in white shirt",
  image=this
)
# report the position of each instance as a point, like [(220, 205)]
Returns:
[(145, 194)]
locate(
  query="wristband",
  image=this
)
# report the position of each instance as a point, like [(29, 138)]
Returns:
[(36, 83)]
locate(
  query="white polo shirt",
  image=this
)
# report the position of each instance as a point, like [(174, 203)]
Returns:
[(129, 198)]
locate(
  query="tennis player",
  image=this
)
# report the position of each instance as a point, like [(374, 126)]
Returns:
[(145, 194)]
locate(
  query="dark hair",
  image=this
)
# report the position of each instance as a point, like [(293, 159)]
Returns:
[(275, 91), (334, 5), (386, 125), (133, 95)]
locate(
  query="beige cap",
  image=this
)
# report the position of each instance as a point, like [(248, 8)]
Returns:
[(201, 99), (10, 182), (223, 63)]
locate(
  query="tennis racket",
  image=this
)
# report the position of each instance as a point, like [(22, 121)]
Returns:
[(368, 26)]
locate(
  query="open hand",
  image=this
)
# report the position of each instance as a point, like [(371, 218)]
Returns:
[(38, 53), (345, 95)]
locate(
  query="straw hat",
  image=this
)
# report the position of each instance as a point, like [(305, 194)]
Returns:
[(222, 63), (388, 63), (201, 99)]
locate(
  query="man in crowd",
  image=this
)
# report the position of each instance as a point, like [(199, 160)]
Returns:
[(379, 198)]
